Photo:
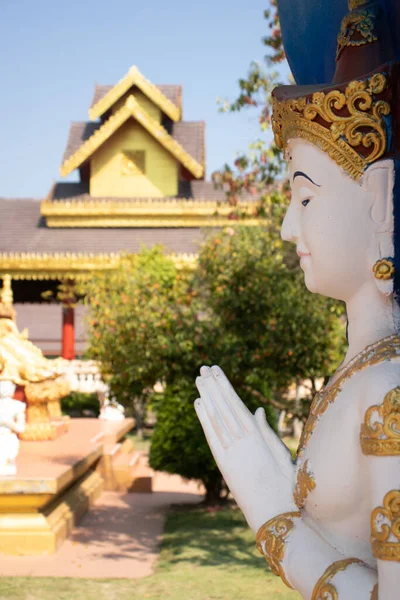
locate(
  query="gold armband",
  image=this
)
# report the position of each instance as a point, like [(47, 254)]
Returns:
[(380, 432), (385, 528), (271, 539), (325, 588)]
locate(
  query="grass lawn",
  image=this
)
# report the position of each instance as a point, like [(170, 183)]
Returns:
[(141, 444), (205, 556)]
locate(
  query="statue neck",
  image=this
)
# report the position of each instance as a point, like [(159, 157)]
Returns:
[(371, 316)]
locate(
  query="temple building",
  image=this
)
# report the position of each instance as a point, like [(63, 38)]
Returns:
[(141, 181)]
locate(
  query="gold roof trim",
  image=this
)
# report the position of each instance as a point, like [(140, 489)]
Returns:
[(69, 265), (134, 77), (149, 212), (131, 108)]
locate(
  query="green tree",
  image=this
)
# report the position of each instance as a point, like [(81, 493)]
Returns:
[(261, 168), (131, 323), (273, 332)]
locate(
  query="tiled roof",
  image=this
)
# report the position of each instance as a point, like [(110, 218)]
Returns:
[(23, 230), (172, 92), (190, 135), (79, 132)]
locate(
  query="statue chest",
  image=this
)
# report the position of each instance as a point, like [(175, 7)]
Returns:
[(331, 477)]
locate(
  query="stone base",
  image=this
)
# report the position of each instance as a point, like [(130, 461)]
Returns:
[(124, 469), (40, 533), (42, 432)]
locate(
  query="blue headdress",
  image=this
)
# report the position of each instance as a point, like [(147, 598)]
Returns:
[(347, 97)]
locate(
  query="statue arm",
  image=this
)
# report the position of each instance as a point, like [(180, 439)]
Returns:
[(259, 473), (380, 444), (309, 564)]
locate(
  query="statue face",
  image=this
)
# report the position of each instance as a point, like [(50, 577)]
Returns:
[(330, 221)]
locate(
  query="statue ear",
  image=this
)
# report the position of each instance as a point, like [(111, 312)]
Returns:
[(379, 181)]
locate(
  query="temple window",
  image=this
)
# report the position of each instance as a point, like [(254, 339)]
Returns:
[(133, 162)]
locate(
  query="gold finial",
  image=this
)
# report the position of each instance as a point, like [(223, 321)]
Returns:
[(6, 291)]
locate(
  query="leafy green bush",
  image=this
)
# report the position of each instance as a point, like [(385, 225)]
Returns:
[(76, 404), (178, 444)]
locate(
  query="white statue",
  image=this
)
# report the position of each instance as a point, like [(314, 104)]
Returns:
[(12, 422), (110, 409), (329, 524)]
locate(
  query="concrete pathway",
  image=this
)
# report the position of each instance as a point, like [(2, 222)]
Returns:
[(118, 538)]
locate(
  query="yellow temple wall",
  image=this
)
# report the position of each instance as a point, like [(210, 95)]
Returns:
[(108, 165), (148, 106)]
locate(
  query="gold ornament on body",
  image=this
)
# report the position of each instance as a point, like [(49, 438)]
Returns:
[(325, 589), (304, 485), (271, 539), (384, 268), (385, 528), (380, 432), (357, 28), (349, 126), (385, 349)]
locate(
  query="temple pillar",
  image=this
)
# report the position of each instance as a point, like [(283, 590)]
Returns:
[(68, 333)]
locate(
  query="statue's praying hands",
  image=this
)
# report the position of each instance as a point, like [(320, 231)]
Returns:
[(255, 464)]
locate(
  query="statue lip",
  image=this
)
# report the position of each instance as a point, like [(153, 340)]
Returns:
[(302, 254)]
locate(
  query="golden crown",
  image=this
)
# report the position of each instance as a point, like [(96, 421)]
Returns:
[(348, 125)]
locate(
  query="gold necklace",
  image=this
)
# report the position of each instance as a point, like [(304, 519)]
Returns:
[(385, 349)]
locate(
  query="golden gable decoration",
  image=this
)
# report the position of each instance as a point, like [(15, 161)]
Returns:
[(130, 109), (135, 78), (349, 125)]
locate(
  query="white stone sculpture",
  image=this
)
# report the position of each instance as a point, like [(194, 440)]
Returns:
[(110, 409), (329, 524), (12, 422), (323, 504)]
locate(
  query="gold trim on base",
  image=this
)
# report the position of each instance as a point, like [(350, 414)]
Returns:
[(41, 533)]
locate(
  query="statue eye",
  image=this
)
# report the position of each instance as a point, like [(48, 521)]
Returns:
[(305, 202)]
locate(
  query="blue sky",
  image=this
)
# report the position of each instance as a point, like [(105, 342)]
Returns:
[(54, 51)]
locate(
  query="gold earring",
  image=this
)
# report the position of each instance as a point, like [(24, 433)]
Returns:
[(384, 268)]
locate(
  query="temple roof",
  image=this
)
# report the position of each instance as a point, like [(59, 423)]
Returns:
[(132, 109), (23, 230), (172, 92), (134, 78), (189, 134)]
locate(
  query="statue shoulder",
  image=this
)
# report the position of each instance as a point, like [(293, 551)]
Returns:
[(379, 409), (374, 382)]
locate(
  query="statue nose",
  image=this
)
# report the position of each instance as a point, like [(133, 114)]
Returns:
[(289, 228)]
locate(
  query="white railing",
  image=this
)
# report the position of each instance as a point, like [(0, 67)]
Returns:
[(84, 376)]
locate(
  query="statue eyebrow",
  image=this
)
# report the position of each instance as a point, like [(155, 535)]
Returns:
[(301, 174)]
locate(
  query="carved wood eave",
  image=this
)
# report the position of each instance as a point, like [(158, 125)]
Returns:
[(32, 266), (149, 212), (135, 78), (131, 109)]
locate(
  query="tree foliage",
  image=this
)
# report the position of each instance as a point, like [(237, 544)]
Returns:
[(262, 167), (275, 333)]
